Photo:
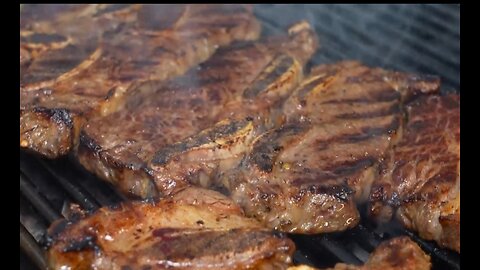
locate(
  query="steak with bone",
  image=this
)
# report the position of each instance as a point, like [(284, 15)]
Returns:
[(195, 229), (72, 70), (419, 181), (400, 253), (307, 175), (243, 81)]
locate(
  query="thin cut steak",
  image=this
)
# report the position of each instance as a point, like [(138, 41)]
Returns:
[(419, 181), (399, 253), (236, 81), (306, 175), (195, 229), (73, 70)]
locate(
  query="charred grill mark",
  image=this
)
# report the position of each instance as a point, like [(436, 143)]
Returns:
[(267, 149), (395, 108), (209, 136), (365, 133), (55, 64), (384, 95), (218, 63), (197, 244), (276, 68), (386, 129), (350, 167), (42, 38), (316, 82), (89, 143)]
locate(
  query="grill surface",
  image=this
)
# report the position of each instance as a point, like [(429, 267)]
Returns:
[(413, 38)]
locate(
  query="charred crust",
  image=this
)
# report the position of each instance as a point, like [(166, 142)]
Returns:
[(349, 167), (281, 65), (268, 148), (88, 143), (341, 192), (163, 156), (59, 116), (304, 90), (110, 93), (55, 230), (86, 243)]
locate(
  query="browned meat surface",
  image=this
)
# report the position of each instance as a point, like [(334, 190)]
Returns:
[(421, 176), (307, 175), (80, 60), (195, 229), (399, 253), (243, 82)]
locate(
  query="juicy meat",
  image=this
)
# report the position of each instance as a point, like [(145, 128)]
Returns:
[(419, 180), (195, 229), (307, 175), (399, 253), (79, 63), (125, 147)]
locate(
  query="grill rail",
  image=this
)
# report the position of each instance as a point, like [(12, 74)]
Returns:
[(412, 38)]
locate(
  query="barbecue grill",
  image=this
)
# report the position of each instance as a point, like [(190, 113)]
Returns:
[(422, 39)]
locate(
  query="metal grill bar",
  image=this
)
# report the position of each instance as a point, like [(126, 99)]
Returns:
[(31, 248), (37, 200), (80, 196)]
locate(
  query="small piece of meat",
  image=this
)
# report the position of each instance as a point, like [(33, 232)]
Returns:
[(399, 253), (82, 67), (307, 175), (419, 180), (196, 229), (158, 121)]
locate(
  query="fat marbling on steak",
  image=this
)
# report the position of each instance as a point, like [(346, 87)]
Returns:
[(419, 180), (307, 175), (243, 81), (195, 229), (78, 63)]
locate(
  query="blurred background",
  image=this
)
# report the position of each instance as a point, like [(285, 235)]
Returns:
[(415, 38)]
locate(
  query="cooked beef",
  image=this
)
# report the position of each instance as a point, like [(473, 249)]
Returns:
[(307, 175), (399, 253), (243, 82), (82, 62), (419, 180), (195, 229)]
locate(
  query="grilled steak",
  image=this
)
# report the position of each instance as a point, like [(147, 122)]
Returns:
[(399, 253), (307, 175), (126, 147), (73, 70), (195, 229), (421, 176)]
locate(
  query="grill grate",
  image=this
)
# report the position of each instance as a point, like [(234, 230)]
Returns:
[(412, 38)]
